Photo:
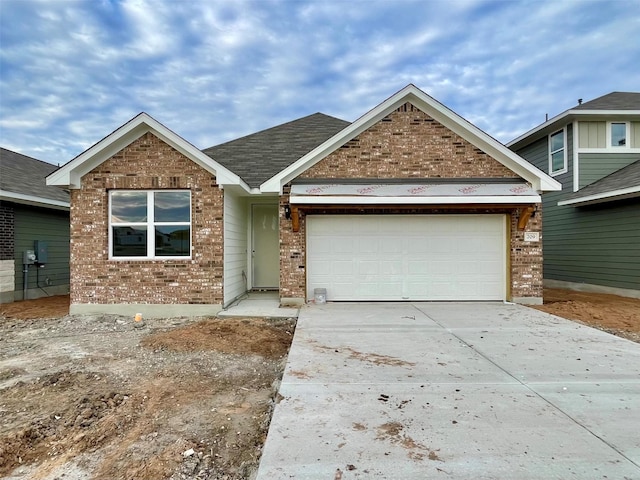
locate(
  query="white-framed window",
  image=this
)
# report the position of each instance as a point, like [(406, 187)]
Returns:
[(558, 152), (149, 224), (618, 134)]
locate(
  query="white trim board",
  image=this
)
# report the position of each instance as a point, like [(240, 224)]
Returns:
[(411, 94), (621, 194), (33, 200), (71, 173)]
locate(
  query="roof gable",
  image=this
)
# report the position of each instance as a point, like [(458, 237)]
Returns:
[(260, 156), (413, 95), (614, 105), (23, 181), (71, 173)]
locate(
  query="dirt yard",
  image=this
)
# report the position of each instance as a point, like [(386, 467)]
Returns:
[(100, 397), (611, 313)]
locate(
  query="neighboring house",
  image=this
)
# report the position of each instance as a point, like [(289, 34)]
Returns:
[(33, 216), (591, 226), (409, 202)]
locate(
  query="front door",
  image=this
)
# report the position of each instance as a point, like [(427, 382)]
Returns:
[(266, 246)]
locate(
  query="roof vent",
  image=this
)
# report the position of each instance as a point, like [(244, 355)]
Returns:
[(579, 101)]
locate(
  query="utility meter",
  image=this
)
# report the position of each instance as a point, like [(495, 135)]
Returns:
[(28, 257)]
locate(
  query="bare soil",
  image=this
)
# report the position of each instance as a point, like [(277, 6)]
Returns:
[(103, 397), (611, 313)]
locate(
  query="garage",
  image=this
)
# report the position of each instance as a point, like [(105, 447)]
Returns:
[(407, 257)]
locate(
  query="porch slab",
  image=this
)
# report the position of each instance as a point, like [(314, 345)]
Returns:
[(259, 304)]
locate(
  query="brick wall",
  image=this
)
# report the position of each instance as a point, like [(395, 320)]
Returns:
[(148, 163), (7, 232), (408, 143), (526, 258), (7, 252)]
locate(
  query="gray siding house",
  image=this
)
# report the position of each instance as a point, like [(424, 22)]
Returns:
[(34, 218), (592, 226)]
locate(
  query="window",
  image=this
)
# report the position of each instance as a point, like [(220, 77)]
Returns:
[(557, 153), (150, 224), (618, 134)]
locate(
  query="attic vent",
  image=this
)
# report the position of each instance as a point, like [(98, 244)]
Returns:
[(407, 107)]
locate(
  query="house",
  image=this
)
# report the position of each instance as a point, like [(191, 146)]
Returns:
[(592, 225), (34, 218), (409, 202)]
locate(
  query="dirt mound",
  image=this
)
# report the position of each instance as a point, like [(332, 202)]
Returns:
[(611, 313), (47, 307), (239, 336)]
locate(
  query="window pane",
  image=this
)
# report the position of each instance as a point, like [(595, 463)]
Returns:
[(172, 206), (128, 207), (557, 141), (129, 242), (618, 134), (557, 161), (173, 241)]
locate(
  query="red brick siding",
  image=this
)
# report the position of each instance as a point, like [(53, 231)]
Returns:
[(410, 144), (7, 231), (147, 163)]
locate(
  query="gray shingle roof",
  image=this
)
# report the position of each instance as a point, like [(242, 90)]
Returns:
[(26, 176), (259, 156), (613, 101), (626, 177)]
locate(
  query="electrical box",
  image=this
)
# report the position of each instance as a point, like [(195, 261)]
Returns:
[(28, 257), (42, 251)]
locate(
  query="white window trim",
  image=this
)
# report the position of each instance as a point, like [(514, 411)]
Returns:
[(150, 224), (616, 148), (564, 169)]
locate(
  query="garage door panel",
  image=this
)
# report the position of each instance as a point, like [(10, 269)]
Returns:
[(403, 257)]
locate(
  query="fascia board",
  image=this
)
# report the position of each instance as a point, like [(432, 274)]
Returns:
[(275, 183), (621, 194), (439, 112), (435, 200), (565, 118), (459, 125), (71, 173), (33, 200)]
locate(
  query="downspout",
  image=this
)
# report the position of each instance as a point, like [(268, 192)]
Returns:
[(25, 280)]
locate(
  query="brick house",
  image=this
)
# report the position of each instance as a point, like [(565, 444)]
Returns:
[(409, 202)]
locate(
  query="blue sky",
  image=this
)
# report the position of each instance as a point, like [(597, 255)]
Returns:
[(73, 71)]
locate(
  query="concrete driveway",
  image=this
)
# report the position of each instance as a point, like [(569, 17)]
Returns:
[(453, 391)]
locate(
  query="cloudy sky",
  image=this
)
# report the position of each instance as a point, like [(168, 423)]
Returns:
[(73, 71)]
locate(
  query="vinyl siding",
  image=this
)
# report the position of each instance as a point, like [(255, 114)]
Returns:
[(235, 246), (594, 166), (52, 226), (598, 244), (593, 134), (635, 135)]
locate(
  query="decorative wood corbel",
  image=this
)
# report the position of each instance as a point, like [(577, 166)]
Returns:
[(525, 215), (295, 219)]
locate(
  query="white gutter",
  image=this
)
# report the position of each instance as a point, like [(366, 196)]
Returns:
[(33, 200), (623, 193)]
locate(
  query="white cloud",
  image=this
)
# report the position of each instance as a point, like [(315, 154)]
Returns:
[(71, 72)]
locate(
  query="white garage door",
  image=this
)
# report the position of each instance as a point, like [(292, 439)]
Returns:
[(407, 257)]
